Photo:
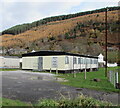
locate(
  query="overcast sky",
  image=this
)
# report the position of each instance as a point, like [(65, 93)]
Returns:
[(14, 12)]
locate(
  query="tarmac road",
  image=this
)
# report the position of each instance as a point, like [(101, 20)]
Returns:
[(32, 86)]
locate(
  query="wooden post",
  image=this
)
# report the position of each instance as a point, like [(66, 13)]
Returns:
[(56, 71), (50, 70), (110, 76), (117, 77), (85, 74), (74, 75)]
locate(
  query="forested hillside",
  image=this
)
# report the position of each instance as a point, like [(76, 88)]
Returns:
[(82, 33), (24, 27)]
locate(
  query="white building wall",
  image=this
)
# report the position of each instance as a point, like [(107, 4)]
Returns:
[(111, 64), (76, 65), (1, 61), (84, 65), (101, 58), (12, 62), (30, 62), (7, 62), (69, 66), (47, 62)]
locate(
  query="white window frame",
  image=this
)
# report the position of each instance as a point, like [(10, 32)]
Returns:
[(79, 60), (66, 60), (74, 60)]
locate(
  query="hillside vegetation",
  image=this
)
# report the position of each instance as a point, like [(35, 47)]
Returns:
[(82, 33), (24, 27)]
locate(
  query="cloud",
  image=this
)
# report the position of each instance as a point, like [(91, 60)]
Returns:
[(59, 0), (97, 5), (16, 12)]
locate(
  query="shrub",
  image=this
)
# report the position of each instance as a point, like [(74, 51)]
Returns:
[(47, 103), (80, 101)]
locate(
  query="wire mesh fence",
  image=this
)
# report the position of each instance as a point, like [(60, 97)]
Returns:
[(113, 77)]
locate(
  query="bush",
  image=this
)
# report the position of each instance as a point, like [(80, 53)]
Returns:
[(47, 103), (80, 101)]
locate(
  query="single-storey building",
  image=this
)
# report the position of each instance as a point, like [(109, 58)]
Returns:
[(57, 60), (9, 62)]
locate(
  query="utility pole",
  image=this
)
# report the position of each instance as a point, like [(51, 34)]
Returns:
[(106, 41)]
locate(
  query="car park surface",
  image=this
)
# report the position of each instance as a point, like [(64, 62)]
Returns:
[(33, 86)]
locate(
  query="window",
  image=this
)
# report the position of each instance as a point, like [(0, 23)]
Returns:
[(96, 61), (88, 61), (74, 60), (54, 62), (84, 60), (66, 60), (92, 61), (79, 60)]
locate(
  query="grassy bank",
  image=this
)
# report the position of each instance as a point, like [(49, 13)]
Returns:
[(80, 82), (8, 69), (10, 102), (80, 101)]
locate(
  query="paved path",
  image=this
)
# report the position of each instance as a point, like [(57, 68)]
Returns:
[(30, 87)]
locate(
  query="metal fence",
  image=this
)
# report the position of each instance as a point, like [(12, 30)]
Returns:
[(114, 77)]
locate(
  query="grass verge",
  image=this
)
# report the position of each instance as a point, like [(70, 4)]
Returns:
[(10, 102), (4, 69), (80, 82)]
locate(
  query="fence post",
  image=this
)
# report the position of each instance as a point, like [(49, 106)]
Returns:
[(85, 74), (56, 71), (109, 76), (116, 77), (50, 70), (110, 72), (112, 77), (117, 81)]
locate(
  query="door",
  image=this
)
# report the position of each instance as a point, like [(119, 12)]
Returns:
[(40, 63)]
